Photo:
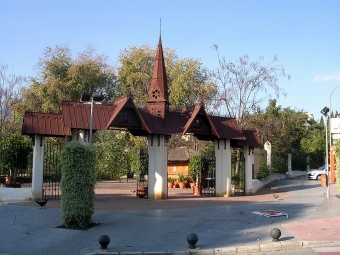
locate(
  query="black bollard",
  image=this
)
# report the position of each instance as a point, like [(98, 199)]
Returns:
[(192, 239), (104, 241), (275, 233)]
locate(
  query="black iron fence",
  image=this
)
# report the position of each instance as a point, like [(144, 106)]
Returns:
[(52, 170)]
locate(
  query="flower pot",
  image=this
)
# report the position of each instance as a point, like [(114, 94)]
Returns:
[(197, 191), (192, 186), (170, 185), (142, 191), (182, 185)]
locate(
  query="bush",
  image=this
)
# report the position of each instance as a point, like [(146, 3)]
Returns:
[(14, 154), (264, 171), (77, 184)]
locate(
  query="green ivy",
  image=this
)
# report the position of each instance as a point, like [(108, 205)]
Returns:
[(77, 185)]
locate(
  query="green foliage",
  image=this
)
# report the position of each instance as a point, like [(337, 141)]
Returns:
[(289, 131), (62, 77), (337, 159), (182, 178), (264, 171), (77, 184), (188, 80), (194, 166), (117, 154), (14, 154), (170, 179)]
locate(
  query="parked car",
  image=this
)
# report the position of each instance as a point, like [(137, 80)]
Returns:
[(315, 174)]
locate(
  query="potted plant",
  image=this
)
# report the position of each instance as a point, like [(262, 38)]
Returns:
[(182, 180), (171, 182)]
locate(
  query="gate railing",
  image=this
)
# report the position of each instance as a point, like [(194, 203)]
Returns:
[(52, 170)]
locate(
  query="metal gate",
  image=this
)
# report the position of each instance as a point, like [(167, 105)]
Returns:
[(52, 170), (237, 173), (207, 178)]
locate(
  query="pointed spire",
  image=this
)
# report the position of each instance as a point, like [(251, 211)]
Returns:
[(158, 91)]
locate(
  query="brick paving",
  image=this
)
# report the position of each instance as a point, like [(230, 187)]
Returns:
[(220, 222), (114, 195)]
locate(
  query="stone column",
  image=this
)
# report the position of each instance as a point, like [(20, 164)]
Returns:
[(158, 162), (38, 167), (268, 148), (223, 168), (248, 169), (289, 163)]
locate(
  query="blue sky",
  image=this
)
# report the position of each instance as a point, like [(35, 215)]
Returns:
[(303, 34)]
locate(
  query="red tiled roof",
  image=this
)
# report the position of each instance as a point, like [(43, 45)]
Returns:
[(44, 124), (172, 124), (126, 115), (252, 139), (227, 128), (77, 115)]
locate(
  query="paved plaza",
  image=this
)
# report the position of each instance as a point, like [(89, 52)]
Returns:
[(224, 225)]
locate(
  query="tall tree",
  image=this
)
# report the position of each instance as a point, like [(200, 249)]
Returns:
[(289, 131), (241, 83), (62, 77), (10, 85), (188, 80)]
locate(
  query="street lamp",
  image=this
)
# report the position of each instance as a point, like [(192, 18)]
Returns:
[(94, 97), (324, 112)]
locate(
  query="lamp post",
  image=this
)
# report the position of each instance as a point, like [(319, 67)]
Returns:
[(324, 111), (91, 98)]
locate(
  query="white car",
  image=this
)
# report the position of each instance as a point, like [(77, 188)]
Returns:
[(315, 174)]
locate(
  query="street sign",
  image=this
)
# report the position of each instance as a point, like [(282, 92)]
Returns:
[(335, 125)]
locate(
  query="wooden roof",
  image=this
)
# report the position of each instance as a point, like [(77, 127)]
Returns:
[(44, 124), (181, 153)]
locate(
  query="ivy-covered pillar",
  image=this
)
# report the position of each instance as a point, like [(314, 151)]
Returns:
[(38, 167), (158, 162), (223, 168)]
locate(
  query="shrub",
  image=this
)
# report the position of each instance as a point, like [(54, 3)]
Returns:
[(264, 171), (77, 184), (14, 154)]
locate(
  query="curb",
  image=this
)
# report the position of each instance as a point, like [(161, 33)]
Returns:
[(269, 247)]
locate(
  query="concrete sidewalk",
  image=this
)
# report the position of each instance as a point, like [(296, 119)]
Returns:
[(136, 225)]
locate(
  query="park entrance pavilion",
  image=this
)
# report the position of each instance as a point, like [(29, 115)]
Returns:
[(156, 122)]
